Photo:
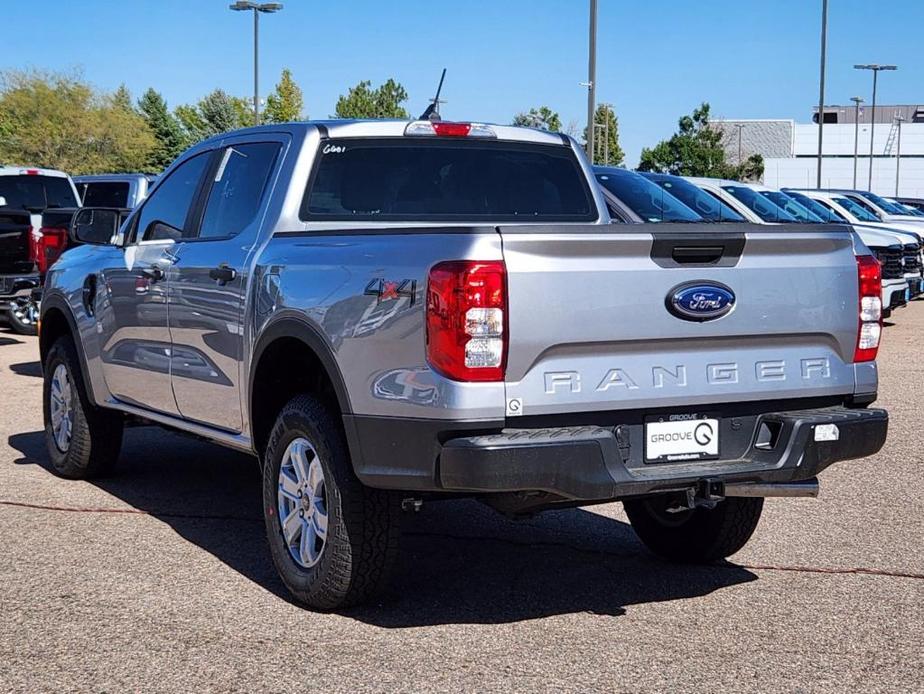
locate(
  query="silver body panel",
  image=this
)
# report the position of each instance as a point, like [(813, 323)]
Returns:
[(587, 301)]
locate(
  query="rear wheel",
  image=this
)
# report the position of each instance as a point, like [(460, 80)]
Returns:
[(332, 539), (83, 440), (23, 315), (699, 535)]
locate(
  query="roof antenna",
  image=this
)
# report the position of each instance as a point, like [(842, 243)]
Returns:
[(432, 112)]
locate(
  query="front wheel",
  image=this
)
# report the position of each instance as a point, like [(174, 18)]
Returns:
[(332, 539), (83, 440), (23, 315), (700, 535)]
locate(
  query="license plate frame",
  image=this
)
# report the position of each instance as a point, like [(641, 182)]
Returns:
[(682, 438)]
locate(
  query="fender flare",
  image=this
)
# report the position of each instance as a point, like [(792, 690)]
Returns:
[(57, 302), (290, 323)]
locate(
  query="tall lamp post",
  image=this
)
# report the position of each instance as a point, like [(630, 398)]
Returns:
[(591, 79), (898, 155), (857, 100), (740, 127), (256, 8), (821, 88), (875, 67)]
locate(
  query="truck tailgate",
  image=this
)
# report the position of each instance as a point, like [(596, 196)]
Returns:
[(590, 328), (15, 228)]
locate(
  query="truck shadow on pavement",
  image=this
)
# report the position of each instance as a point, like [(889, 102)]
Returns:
[(27, 368), (460, 562)]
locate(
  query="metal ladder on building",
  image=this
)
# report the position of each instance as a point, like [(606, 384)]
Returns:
[(890, 142)]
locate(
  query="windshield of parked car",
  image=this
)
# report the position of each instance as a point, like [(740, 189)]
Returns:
[(854, 208), (826, 214), (446, 179), (882, 203), (907, 209), (649, 201), (698, 200), (796, 209), (765, 208), (37, 193), (104, 193)]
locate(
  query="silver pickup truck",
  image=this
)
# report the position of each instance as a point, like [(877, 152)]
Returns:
[(387, 313)]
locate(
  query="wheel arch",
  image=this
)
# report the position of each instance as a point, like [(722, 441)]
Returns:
[(290, 339), (57, 320)]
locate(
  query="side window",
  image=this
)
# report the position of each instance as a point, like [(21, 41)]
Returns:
[(164, 213), (240, 180)]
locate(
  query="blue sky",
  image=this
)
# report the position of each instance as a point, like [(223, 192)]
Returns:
[(657, 59)]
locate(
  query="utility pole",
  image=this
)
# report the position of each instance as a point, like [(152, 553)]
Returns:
[(898, 157), (856, 135), (875, 67), (591, 79), (821, 89), (256, 8)]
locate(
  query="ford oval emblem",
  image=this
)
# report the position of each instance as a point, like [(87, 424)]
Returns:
[(700, 301)]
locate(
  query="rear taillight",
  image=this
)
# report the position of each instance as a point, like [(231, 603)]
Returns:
[(869, 276), (466, 319), (46, 246)]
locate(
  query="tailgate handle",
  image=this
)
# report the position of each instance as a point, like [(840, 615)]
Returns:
[(699, 255)]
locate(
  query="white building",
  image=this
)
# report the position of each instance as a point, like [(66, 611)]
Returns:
[(795, 165)]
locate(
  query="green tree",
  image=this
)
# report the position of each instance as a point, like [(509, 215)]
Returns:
[(122, 98), (751, 169), (285, 103), (220, 112), (607, 151), (362, 101), (243, 111), (193, 126), (168, 133), (694, 150), (59, 121), (542, 118)]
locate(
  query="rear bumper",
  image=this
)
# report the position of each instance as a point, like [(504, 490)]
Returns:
[(16, 286), (894, 294), (599, 463)]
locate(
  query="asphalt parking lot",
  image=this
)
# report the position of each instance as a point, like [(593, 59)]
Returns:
[(159, 579)]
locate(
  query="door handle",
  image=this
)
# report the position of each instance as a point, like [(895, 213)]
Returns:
[(153, 273), (222, 274)]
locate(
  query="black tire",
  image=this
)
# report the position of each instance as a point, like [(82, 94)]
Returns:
[(22, 316), (699, 536), (96, 434), (363, 523)]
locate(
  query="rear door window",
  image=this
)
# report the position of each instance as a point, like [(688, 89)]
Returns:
[(408, 179), (237, 190)]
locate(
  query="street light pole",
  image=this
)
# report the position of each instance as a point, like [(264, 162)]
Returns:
[(591, 79), (821, 89), (875, 67), (856, 134), (256, 8)]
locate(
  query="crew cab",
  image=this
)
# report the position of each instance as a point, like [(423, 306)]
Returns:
[(29, 245), (389, 313)]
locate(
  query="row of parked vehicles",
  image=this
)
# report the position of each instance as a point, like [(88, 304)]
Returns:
[(36, 208), (892, 230)]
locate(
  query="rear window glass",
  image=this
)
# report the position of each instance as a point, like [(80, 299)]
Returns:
[(405, 179), (37, 193), (104, 194)]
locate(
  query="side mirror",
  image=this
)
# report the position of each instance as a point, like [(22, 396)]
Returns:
[(96, 225)]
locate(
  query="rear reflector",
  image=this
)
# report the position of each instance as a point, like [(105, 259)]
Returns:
[(466, 306), (448, 129), (869, 329)]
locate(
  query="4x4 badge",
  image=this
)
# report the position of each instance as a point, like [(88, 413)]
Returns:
[(386, 290)]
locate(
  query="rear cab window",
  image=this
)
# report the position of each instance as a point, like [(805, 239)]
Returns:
[(37, 193), (104, 193), (408, 180)]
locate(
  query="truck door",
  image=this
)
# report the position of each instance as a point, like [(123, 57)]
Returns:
[(208, 283), (132, 316)]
